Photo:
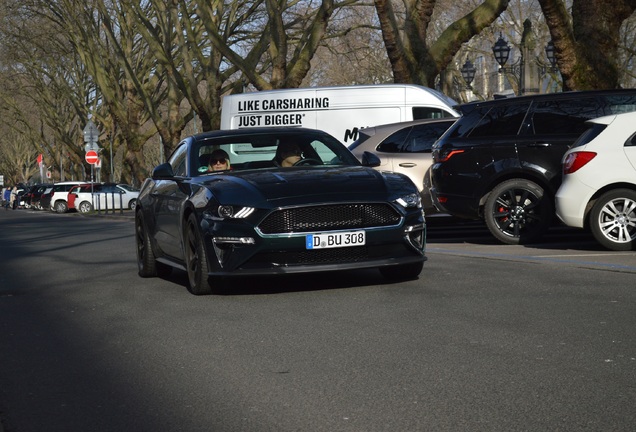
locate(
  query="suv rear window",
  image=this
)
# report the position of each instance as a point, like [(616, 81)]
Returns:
[(564, 116), (501, 120)]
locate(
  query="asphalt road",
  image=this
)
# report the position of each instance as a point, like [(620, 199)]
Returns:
[(489, 338)]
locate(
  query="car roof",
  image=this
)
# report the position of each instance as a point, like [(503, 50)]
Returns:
[(469, 106), (391, 127), (256, 131)]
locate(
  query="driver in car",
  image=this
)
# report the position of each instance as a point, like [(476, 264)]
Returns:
[(287, 154)]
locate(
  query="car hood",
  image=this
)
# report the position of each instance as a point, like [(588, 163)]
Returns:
[(287, 186)]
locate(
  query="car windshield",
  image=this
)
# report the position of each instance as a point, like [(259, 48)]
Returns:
[(269, 151)]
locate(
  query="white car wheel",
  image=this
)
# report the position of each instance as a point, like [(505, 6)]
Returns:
[(613, 220)]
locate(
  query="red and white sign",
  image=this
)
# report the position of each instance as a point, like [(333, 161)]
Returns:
[(91, 157)]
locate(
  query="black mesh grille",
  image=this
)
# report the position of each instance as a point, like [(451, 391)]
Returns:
[(329, 217)]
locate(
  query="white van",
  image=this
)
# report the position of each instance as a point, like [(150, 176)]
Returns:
[(340, 111)]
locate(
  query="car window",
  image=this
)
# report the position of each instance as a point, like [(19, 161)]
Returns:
[(109, 189), (422, 137), (592, 132), (564, 116), (396, 142), (617, 104), (178, 161), (502, 120), (429, 113)]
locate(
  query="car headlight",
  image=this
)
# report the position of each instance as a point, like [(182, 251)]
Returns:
[(412, 200), (229, 212)]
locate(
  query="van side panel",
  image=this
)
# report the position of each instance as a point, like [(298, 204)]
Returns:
[(344, 124), (340, 111)]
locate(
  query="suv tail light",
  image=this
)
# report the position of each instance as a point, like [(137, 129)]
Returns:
[(576, 160), (442, 155)]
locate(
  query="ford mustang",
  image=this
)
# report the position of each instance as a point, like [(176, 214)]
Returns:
[(275, 201)]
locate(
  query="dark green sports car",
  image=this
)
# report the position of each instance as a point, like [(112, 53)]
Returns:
[(275, 201)]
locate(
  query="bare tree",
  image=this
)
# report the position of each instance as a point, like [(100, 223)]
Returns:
[(416, 59), (274, 42), (587, 40)]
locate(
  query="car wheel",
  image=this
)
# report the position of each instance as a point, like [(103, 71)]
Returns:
[(518, 211), (613, 220), (60, 207), (85, 207), (132, 205), (146, 262), (196, 259), (402, 271)]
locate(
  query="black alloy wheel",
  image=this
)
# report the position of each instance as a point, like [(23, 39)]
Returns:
[(196, 259), (518, 211), (147, 264)]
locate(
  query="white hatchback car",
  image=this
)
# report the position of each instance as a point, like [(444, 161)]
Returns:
[(107, 196), (599, 182)]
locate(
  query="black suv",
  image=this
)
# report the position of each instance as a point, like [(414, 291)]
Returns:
[(501, 161)]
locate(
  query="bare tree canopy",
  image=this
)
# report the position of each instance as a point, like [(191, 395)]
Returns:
[(587, 41)]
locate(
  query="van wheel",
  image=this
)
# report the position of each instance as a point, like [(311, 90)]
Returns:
[(613, 220), (518, 211)]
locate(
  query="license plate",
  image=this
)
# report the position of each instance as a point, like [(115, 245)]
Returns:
[(335, 240)]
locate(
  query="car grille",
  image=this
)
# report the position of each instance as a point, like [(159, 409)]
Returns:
[(329, 217), (326, 256)]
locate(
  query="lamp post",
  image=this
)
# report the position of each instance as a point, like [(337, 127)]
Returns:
[(91, 136), (525, 70)]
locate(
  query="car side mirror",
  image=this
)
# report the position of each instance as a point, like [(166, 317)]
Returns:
[(163, 171), (370, 160)]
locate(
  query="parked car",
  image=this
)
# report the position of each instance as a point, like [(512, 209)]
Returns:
[(32, 195), (107, 196), (599, 182), (72, 194), (59, 195), (404, 147), (327, 212), (501, 161), (45, 199)]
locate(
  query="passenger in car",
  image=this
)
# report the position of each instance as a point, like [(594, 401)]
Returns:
[(287, 154), (219, 161)]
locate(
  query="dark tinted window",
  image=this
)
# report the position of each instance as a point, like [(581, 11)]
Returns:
[(631, 142), (587, 136), (416, 139), (501, 120), (564, 116), (617, 104), (429, 113), (395, 143)]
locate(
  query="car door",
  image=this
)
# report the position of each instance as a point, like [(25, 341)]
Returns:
[(168, 196), (552, 127)]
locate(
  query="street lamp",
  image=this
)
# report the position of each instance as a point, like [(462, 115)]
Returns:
[(525, 70), (468, 73), (501, 51)]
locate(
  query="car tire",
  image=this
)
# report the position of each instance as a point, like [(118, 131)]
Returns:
[(146, 262), (85, 207), (196, 260), (132, 205), (402, 271), (60, 206), (518, 211), (613, 220)]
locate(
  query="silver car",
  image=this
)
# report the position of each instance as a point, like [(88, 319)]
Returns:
[(404, 147)]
